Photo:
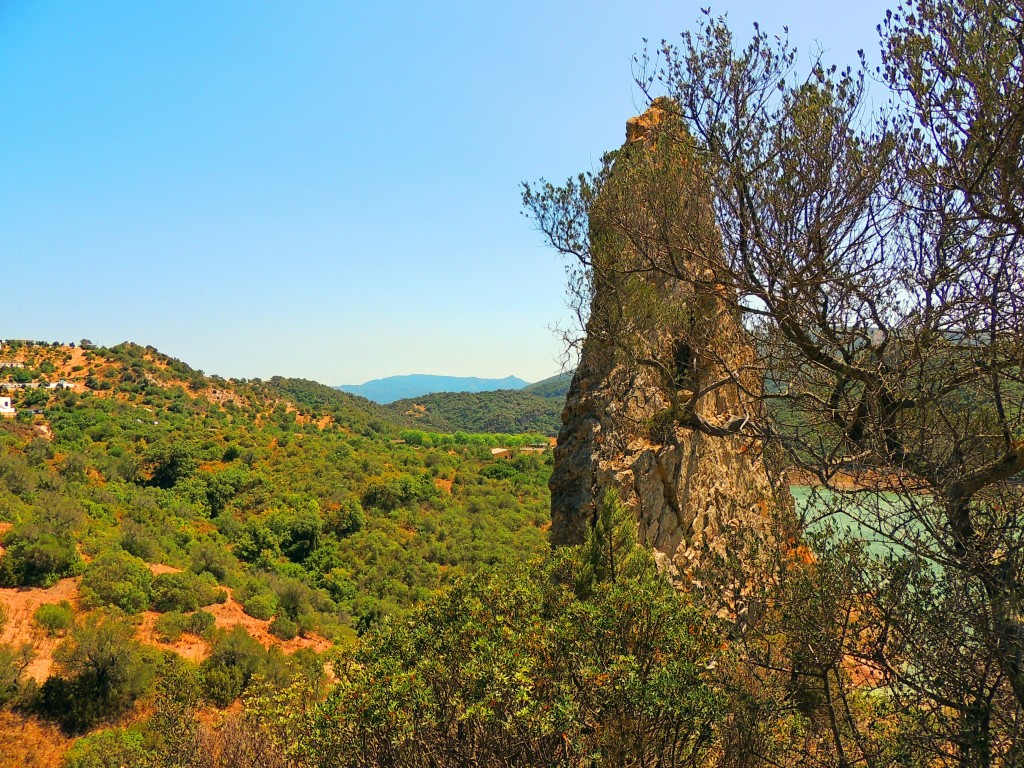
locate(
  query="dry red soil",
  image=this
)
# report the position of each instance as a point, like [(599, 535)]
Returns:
[(20, 605), (29, 743)]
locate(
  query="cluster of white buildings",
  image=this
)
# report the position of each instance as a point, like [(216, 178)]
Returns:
[(7, 409), (62, 384)]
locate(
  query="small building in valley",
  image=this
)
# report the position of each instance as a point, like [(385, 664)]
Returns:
[(6, 407)]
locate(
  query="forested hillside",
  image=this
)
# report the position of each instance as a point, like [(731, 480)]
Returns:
[(505, 410), (535, 408), (141, 498)]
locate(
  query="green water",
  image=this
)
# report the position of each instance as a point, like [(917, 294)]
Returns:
[(858, 514)]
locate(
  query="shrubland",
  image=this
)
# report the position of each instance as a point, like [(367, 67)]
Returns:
[(153, 488), (873, 260)]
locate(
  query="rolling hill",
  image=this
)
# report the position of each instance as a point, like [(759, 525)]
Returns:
[(534, 408)]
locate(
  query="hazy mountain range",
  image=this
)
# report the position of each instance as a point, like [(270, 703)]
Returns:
[(393, 388)]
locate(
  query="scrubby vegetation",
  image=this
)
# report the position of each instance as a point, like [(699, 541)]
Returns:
[(157, 489), (506, 410), (275, 574)]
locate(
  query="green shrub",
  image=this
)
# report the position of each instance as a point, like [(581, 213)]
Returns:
[(185, 592), (260, 606), (37, 559), (207, 557), (137, 540), (233, 661), (112, 748), (54, 617), (117, 579), (170, 626), (201, 623), (283, 628), (101, 670)]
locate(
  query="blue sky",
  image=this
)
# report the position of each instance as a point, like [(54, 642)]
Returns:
[(317, 189)]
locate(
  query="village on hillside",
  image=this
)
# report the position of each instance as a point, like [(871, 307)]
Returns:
[(16, 374)]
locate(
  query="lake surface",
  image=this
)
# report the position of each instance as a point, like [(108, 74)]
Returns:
[(858, 513)]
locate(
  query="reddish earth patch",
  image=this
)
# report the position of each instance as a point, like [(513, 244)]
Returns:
[(221, 396), (158, 568), (445, 485), (76, 357), (187, 646), (230, 614), (20, 605), (26, 742)]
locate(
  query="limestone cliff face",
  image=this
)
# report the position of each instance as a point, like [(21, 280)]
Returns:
[(641, 364)]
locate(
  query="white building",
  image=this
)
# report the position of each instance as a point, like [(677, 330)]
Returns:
[(6, 408)]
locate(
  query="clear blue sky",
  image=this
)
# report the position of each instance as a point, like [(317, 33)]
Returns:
[(317, 189)]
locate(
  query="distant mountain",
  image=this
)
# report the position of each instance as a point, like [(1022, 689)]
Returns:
[(393, 388), (535, 408)]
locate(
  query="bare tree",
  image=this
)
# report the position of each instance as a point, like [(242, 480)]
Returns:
[(874, 259)]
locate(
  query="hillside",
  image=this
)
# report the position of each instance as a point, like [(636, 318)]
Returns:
[(505, 410), (393, 388), (555, 387), (534, 408), (268, 516)]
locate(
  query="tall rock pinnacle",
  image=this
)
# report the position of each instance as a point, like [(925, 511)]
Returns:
[(653, 340)]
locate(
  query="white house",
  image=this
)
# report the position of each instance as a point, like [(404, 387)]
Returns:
[(6, 408)]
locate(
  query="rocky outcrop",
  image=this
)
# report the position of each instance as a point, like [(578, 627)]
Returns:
[(654, 338)]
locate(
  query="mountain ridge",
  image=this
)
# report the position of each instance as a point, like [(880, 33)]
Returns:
[(391, 388)]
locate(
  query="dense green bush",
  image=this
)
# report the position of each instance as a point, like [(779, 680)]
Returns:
[(101, 671), (200, 623), (283, 628), (260, 605), (170, 626), (54, 618), (110, 748), (170, 463), (184, 591), (117, 579), (207, 557), (37, 558), (233, 661)]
